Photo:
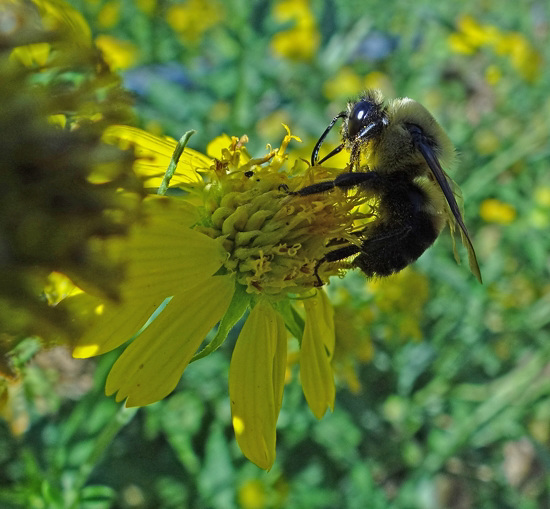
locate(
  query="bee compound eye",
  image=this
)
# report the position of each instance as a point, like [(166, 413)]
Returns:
[(359, 116)]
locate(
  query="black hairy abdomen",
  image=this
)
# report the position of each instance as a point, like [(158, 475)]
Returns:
[(402, 232)]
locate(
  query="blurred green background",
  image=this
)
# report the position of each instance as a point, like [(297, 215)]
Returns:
[(444, 384)]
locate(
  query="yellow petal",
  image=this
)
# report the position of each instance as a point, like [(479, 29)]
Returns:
[(256, 379), (31, 54), (154, 154), (316, 353), (163, 258), (217, 145), (112, 324), (150, 368), (164, 255)]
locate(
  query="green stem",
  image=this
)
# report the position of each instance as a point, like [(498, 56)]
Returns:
[(104, 440), (174, 162)]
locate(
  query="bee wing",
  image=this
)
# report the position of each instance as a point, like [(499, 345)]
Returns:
[(443, 183)]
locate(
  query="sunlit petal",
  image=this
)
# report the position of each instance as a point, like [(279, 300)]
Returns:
[(163, 258), (256, 378), (316, 354), (150, 368), (112, 324)]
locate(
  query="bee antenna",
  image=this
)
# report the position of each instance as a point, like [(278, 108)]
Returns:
[(317, 147), (332, 153)]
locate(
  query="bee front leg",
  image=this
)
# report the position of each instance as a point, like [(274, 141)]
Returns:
[(320, 187), (364, 179)]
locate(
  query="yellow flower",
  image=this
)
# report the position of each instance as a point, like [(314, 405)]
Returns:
[(493, 74), (118, 54), (302, 40), (476, 34), (525, 59), (542, 196), (486, 141), (345, 83), (392, 297), (353, 344), (472, 36), (236, 241), (252, 495), (192, 18), (109, 14), (379, 80), (495, 211), (147, 6), (460, 44)]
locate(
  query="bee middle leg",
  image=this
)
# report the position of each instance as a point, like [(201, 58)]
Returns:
[(333, 256)]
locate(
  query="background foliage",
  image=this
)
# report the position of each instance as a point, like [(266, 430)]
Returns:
[(444, 396)]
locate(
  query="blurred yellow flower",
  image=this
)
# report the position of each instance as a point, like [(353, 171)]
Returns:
[(493, 74), (345, 83), (109, 14), (192, 18), (269, 127), (118, 54), (523, 56), (252, 495), (478, 35), (542, 196), (460, 44), (471, 36), (540, 214), (496, 211), (353, 344), (380, 81), (486, 141), (147, 6), (392, 296), (301, 41)]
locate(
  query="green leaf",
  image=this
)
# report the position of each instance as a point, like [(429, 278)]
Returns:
[(239, 304), (293, 321)]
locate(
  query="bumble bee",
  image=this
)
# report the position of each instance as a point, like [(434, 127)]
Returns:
[(402, 145)]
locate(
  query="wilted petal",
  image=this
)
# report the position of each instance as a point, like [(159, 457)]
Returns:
[(316, 353), (150, 368), (256, 379)]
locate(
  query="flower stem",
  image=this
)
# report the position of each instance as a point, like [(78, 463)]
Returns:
[(105, 438)]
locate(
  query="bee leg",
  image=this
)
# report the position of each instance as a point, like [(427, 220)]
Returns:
[(333, 256), (343, 181)]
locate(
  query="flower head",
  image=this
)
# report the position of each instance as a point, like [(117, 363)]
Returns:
[(236, 241)]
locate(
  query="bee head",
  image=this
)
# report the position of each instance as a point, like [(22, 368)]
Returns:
[(366, 118)]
